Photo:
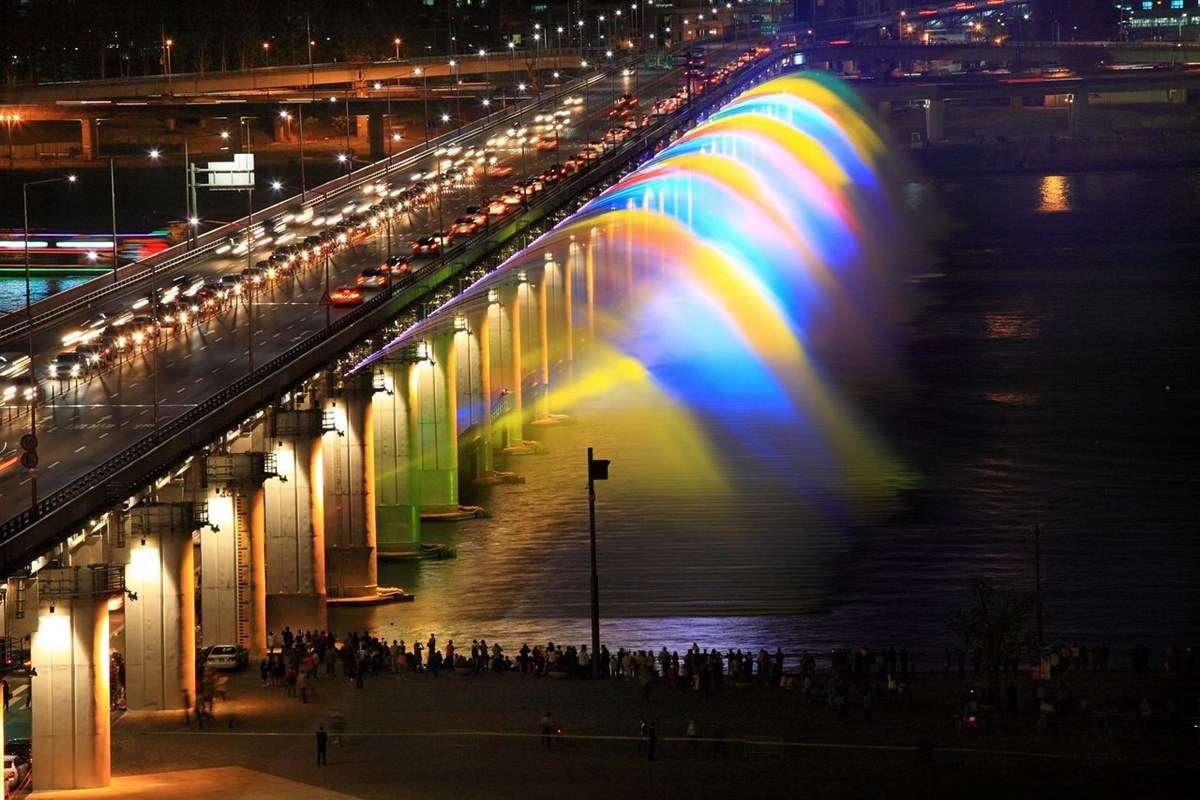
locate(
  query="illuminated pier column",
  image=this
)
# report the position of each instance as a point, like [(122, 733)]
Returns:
[(295, 521), (160, 625), (935, 121), (348, 468), (589, 285), (507, 371), (233, 596), (69, 687), (434, 386), (549, 289), (473, 360), (394, 431)]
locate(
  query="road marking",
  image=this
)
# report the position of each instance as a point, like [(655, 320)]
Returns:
[(80, 448), (55, 464), (101, 436), (181, 390), (199, 380)]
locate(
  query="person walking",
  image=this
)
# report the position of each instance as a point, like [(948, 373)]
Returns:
[(693, 733), (643, 730), (547, 729), (322, 742), (651, 741)]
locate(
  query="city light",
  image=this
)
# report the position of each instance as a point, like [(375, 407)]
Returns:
[(341, 157), (154, 153)]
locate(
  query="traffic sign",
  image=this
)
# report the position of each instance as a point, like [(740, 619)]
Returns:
[(29, 442), (29, 459)]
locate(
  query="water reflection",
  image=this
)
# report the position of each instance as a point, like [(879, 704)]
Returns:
[(1055, 194), (12, 288)]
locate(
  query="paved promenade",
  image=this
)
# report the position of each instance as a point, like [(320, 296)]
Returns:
[(461, 735)]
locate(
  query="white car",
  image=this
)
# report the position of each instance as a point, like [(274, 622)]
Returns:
[(227, 656), (16, 773)]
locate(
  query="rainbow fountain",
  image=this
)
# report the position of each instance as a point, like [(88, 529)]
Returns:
[(695, 305)]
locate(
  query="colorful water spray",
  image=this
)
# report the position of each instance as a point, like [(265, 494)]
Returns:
[(709, 285)]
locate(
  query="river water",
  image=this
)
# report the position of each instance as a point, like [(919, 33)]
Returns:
[(1043, 374)]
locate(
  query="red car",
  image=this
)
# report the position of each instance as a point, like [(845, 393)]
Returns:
[(346, 296)]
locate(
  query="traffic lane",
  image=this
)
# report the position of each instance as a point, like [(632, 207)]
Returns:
[(74, 320)]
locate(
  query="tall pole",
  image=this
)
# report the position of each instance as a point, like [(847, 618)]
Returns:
[(1037, 571), (112, 196), (595, 594), (249, 263), (33, 498), (303, 185), (187, 195), (154, 293), (425, 99), (312, 76), (349, 160)]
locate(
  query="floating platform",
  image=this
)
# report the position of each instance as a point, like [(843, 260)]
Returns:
[(382, 596), (498, 477), (552, 420), (463, 513), (425, 552), (525, 448)]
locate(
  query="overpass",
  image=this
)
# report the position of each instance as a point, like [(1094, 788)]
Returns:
[(243, 441), (298, 77), (1007, 52)]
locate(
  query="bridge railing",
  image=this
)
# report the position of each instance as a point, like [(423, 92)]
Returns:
[(172, 440)]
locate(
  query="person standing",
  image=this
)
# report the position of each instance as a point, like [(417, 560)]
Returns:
[(693, 732), (547, 729), (651, 741), (322, 741)]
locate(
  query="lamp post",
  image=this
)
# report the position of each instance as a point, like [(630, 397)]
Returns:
[(512, 58), (32, 465), (396, 42), (457, 93), (267, 53), (425, 100), (112, 196), (597, 469)]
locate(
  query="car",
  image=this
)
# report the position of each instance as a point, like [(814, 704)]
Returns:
[(227, 656), (16, 773), (498, 171), (346, 296), (464, 226), (395, 264), (427, 244), (372, 279), (92, 354), (476, 213), (68, 365)]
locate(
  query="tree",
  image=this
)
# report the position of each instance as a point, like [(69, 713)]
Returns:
[(998, 623)]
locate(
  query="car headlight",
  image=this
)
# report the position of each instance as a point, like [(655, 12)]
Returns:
[(74, 370), (53, 370)]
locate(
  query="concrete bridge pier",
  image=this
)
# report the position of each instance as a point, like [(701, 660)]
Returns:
[(294, 528), (935, 121), (506, 347), (88, 134), (549, 307), (233, 597), (375, 137), (1077, 112), (475, 370), (160, 625), (348, 469), (70, 687), (394, 428), (434, 390)]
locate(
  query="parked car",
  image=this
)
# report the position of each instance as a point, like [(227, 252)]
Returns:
[(16, 773), (227, 656)]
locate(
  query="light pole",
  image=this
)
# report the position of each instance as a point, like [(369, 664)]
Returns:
[(396, 42), (286, 115), (112, 196), (32, 467), (348, 149), (457, 93), (425, 101), (512, 58), (267, 53), (190, 214), (597, 471)]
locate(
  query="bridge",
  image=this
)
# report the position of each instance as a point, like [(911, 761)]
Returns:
[(223, 412), (297, 77), (1004, 52)]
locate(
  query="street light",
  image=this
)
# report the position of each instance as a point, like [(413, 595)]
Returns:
[(29, 321), (396, 42), (267, 52)]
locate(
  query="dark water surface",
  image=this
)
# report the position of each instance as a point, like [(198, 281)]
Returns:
[(1045, 374)]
